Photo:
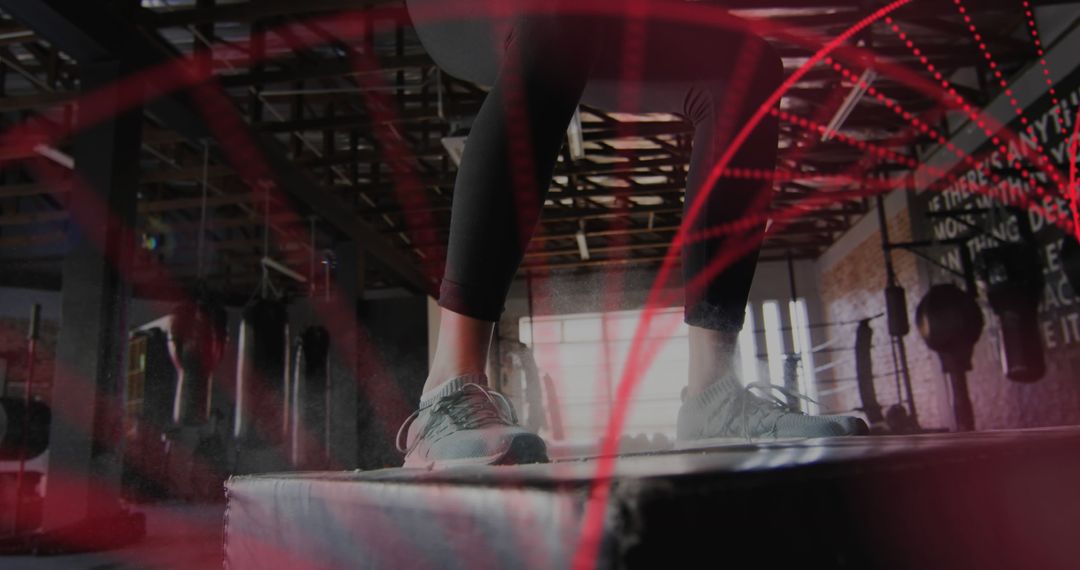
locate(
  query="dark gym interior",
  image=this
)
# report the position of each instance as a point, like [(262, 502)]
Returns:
[(224, 223)]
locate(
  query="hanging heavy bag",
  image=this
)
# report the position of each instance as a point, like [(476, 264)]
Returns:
[(864, 372), (951, 322), (198, 334), (145, 455), (1070, 262), (24, 429), (1014, 286), (260, 386), (896, 310), (311, 380), (159, 386)]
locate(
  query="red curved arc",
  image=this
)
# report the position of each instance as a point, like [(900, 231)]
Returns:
[(592, 525)]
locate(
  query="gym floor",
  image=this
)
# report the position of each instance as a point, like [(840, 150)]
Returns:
[(179, 536)]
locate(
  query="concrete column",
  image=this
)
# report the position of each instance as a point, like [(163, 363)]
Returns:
[(87, 392)]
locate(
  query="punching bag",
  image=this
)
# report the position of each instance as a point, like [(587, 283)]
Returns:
[(146, 454), (950, 321), (864, 372), (159, 385), (310, 404), (896, 310), (535, 419), (1070, 262), (24, 429), (197, 336), (1014, 287), (261, 374)]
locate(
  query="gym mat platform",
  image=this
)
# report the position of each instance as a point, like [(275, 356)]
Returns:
[(999, 499)]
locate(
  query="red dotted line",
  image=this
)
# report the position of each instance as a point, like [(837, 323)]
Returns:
[(749, 223), (786, 175), (1030, 129), (1072, 194), (954, 96), (1030, 19), (969, 110), (893, 106), (1014, 194), (919, 125), (874, 150)]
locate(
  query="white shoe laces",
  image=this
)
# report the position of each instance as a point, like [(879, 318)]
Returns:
[(466, 417), (765, 389)]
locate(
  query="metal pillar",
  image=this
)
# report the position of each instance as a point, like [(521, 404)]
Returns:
[(344, 366), (900, 362), (87, 392)]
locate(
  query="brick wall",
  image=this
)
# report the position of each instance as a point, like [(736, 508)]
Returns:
[(852, 289)]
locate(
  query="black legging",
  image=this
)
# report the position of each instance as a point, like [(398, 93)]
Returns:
[(716, 78)]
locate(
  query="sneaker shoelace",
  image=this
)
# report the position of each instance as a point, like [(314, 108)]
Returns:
[(471, 407), (765, 403)]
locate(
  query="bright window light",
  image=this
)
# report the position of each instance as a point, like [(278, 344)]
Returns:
[(774, 341), (746, 348), (800, 339), (585, 354)]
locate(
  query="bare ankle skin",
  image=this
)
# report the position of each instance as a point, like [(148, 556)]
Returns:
[(712, 354)]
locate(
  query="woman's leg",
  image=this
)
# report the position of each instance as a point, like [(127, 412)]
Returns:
[(499, 192), (501, 183), (500, 187), (461, 348), (716, 306), (716, 405), (717, 78), (512, 150)]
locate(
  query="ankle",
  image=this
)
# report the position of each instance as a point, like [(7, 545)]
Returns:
[(714, 389), (696, 389), (712, 357), (462, 348), (438, 378), (448, 387)]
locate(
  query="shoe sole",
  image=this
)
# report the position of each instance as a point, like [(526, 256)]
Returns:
[(860, 429), (522, 450)]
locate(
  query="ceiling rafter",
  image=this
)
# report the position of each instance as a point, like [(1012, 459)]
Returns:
[(634, 170)]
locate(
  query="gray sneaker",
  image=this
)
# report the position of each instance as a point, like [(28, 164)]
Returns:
[(466, 423), (727, 409)]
